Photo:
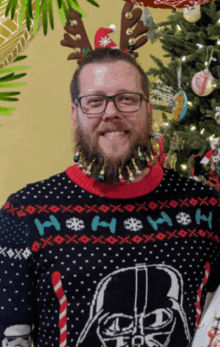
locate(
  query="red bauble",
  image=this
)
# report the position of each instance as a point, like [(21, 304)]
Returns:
[(154, 152), (122, 181), (150, 165), (171, 4)]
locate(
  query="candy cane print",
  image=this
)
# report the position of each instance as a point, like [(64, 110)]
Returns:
[(58, 289), (199, 294)]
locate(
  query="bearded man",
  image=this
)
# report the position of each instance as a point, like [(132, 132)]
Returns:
[(115, 251)]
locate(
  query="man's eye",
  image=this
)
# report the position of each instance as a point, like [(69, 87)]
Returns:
[(127, 99), (95, 100)]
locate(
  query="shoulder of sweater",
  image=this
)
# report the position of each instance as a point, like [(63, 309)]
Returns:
[(173, 179), (36, 189)]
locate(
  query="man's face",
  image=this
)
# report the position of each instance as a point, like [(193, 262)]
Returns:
[(127, 129)]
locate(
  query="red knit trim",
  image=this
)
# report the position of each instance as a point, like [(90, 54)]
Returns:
[(117, 191)]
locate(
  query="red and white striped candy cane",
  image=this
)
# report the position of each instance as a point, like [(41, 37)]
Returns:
[(199, 294), (58, 288)]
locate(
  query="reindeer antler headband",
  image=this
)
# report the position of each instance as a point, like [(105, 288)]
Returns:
[(129, 38)]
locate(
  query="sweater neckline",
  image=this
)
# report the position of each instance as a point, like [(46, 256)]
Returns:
[(116, 191)]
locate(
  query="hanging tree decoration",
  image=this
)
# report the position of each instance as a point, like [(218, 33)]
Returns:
[(192, 14), (148, 21), (179, 105), (202, 82)]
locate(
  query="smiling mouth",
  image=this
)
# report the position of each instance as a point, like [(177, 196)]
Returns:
[(114, 134)]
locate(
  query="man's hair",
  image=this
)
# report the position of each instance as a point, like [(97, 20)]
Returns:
[(105, 55)]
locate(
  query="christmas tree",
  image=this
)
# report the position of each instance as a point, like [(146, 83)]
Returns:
[(191, 40)]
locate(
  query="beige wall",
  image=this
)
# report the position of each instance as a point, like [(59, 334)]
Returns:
[(36, 141)]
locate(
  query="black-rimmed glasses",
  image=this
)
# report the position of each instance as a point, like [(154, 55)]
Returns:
[(124, 102)]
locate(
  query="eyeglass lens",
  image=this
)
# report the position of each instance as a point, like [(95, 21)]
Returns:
[(94, 104)]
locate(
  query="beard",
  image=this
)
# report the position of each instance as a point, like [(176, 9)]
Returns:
[(90, 151)]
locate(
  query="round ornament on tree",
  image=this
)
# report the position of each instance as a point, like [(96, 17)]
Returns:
[(192, 14), (202, 83)]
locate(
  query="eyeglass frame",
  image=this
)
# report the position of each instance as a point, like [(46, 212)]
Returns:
[(111, 97)]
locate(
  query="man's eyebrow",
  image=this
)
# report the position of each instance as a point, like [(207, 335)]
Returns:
[(118, 92)]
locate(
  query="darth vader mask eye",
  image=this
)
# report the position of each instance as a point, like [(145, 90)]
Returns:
[(158, 318), (116, 325)]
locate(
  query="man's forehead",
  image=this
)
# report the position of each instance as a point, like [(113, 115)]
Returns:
[(109, 73)]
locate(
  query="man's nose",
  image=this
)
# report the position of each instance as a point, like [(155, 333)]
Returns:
[(111, 110)]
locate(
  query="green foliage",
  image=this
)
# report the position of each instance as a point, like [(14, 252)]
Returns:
[(199, 123), (4, 83), (47, 11)]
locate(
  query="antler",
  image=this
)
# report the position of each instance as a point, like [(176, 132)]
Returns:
[(128, 37), (79, 40)]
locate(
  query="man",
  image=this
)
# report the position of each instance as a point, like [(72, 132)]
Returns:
[(114, 251)]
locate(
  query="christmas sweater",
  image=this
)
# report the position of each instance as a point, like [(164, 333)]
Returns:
[(85, 263)]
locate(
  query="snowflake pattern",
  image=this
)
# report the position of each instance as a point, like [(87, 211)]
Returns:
[(183, 218), (104, 41), (75, 224), (133, 224)]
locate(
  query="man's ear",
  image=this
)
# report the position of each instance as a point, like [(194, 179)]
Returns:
[(74, 115)]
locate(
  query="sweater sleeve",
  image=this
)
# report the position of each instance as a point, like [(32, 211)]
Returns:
[(16, 280)]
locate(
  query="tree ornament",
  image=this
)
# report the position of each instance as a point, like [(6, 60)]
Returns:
[(192, 14), (213, 155), (148, 21), (101, 176), (131, 177), (76, 157), (121, 178), (202, 83), (217, 114), (137, 171), (179, 105), (14, 40), (169, 4)]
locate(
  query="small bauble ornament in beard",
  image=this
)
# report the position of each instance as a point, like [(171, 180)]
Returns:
[(202, 83), (192, 14)]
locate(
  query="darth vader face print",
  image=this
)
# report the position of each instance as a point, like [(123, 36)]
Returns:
[(139, 306)]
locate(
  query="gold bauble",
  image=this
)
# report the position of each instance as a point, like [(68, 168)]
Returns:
[(13, 40), (192, 14)]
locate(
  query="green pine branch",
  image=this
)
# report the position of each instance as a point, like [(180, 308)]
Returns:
[(44, 6)]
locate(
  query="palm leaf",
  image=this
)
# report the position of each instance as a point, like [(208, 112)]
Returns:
[(29, 8), (10, 2), (5, 111), (13, 69), (93, 3), (61, 13), (44, 14), (9, 94), (77, 8), (65, 10), (11, 77), (50, 8), (2, 98), (69, 5), (13, 9), (21, 57), (10, 85), (28, 22), (36, 16), (21, 14)]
